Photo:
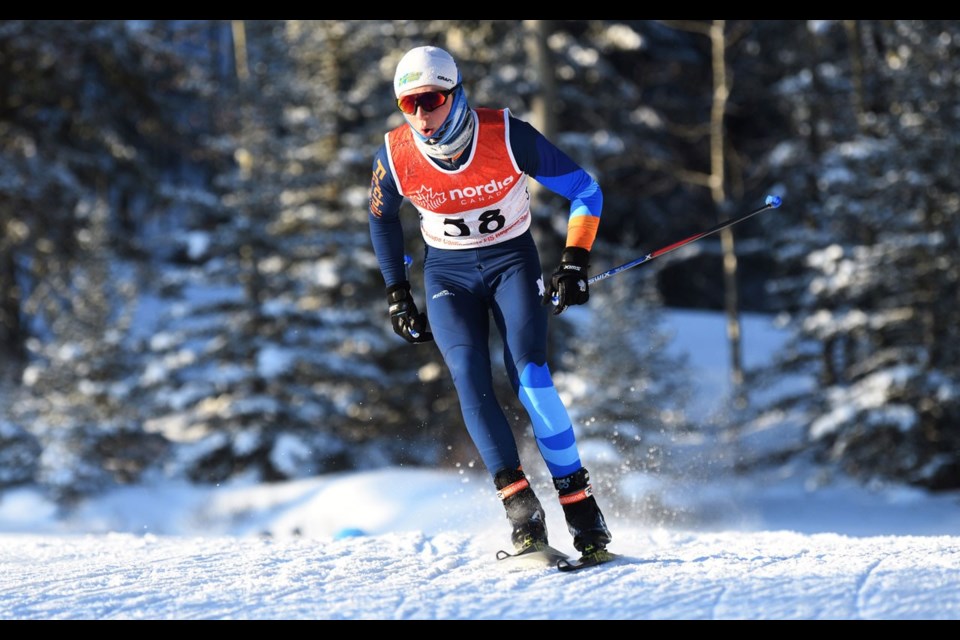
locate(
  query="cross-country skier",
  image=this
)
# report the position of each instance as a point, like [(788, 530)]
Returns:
[(466, 171)]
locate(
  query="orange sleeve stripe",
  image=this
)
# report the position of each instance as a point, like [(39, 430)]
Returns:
[(582, 231)]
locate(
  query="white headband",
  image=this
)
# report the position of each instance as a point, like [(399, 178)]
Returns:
[(425, 66)]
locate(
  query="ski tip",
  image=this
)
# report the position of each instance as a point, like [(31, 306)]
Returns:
[(539, 556), (567, 564), (774, 201)]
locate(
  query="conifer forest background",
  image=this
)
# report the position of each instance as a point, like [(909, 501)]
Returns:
[(188, 290)]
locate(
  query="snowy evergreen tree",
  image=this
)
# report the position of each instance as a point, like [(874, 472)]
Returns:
[(187, 286), (94, 111), (873, 276)]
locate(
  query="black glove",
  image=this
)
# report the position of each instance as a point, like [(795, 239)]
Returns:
[(568, 285), (408, 323)]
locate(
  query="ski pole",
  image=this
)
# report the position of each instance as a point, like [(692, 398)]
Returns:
[(772, 202), (407, 261)]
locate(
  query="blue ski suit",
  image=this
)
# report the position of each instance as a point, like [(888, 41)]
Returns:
[(481, 262)]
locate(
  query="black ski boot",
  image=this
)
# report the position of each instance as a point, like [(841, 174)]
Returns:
[(584, 519), (523, 509)]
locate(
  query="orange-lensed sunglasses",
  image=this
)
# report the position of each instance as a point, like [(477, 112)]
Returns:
[(427, 101)]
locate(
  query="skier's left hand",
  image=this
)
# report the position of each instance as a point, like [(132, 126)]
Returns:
[(407, 321), (568, 284)]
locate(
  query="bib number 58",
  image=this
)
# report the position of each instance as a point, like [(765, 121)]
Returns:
[(489, 221)]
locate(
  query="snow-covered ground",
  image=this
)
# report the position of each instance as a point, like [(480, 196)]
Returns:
[(420, 544)]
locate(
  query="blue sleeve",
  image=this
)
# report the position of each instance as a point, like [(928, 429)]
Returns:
[(539, 158), (386, 232)]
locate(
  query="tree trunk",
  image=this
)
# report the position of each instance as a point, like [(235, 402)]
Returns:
[(538, 52), (12, 333), (547, 222), (721, 93), (541, 111)]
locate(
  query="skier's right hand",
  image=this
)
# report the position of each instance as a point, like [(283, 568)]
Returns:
[(568, 284), (407, 321)]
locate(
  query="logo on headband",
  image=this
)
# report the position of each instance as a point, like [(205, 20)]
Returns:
[(409, 77)]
